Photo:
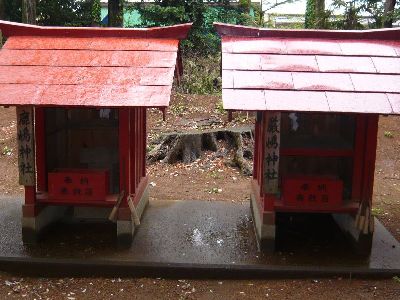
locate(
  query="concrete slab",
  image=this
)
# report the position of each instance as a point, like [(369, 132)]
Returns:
[(194, 239)]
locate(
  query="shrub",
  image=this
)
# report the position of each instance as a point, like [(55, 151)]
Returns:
[(201, 74)]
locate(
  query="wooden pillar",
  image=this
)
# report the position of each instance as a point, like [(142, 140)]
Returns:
[(257, 137), (26, 152), (132, 150), (370, 157), (137, 139), (358, 157), (144, 141), (40, 134), (124, 149)]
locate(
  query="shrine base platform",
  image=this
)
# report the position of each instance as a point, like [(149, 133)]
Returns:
[(182, 239)]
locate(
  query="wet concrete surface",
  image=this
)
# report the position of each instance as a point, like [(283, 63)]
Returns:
[(201, 233)]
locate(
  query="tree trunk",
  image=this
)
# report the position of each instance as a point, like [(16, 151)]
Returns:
[(115, 13), (2, 10), (387, 14), (29, 11), (315, 14), (96, 13), (319, 13)]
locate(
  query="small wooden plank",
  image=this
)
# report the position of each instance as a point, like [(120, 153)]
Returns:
[(368, 48), (252, 45), (313, 46), (345, 64), (272, 152), (258, 80), (376, 83), (296, 101), (243, 99), (394, 100), (322, 82), (86, 75), (26, 145), (359, 103), (310, 81), (388, 65), (90, 96), (87, 58), (97, 44)]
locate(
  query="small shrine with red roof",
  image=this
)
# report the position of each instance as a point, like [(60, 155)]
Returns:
[(81, 96), (318, 95)]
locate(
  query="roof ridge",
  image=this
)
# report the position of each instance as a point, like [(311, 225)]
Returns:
[(246, 31), (170, 32)]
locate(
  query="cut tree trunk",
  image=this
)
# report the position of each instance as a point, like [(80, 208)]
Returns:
[(115, 13), (388, 13), (187, 147), (29, 11)]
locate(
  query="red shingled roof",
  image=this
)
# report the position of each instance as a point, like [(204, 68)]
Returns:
[(310, 70), (110, 67)]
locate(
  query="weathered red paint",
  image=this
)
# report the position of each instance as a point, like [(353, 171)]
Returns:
[(245, 31), (30, 195), (134, 146), (370, 157), (358, 160), (87, 58), (293, 193), (89, 43), (84, 95), (40, 151), (93, 67), (82, 185), (128, 69), (168, 32), (338, 71), (124, 154), (96, 76)]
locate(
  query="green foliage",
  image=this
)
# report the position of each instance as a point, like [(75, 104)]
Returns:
[(6, 151), (388, 134), (219, 107), (96, 12), (13, 10), (315, 15), (309, 18), (59, 13), (201, 74), (65, 12), (361, 14), (202, 37), (178, 109), (376, 211)]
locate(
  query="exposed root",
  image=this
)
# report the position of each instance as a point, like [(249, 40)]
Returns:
[(187, 147)]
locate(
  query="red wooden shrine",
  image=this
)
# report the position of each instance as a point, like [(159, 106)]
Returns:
[(318, 95), (81, 96)]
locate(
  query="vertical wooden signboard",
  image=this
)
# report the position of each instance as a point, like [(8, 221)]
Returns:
[(271, 158), (26, 146)]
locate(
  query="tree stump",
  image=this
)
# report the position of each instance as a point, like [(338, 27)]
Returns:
[(189, 146)]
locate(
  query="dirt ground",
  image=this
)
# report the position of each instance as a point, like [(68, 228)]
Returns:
[(208, 178)]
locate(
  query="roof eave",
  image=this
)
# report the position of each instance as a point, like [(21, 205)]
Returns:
[(179, 32), (245, 31)]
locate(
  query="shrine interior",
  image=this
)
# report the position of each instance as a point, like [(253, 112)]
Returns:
[(318, 145), (83, 139)]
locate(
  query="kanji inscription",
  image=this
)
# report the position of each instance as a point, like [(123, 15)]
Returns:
[(271, 160), (26, 146)]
